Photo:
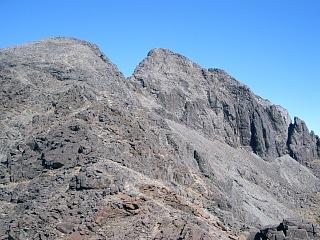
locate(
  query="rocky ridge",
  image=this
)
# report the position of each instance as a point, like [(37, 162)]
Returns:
[(219, 106), (173, 152)]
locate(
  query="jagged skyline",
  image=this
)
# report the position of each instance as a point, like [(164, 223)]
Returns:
[(176, 151), (272, 46)]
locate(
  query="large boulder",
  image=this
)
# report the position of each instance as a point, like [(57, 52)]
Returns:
[(289, 229)]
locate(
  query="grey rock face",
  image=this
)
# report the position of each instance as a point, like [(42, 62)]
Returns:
[(166, 154), (302, 144), (214, 103), (222, 108)]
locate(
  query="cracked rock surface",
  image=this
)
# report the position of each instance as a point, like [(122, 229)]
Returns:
[(175, 151)]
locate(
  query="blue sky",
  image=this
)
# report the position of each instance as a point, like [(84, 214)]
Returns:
[(272, 46)]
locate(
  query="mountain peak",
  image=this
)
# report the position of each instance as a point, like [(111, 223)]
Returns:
[(176, 151), (159, 51), (229, 110), (62, 61), (166, 53)]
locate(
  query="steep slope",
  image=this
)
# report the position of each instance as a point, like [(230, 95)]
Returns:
[(77, 152), (303, 146), (48, 80), (220, 107), (167, 154)]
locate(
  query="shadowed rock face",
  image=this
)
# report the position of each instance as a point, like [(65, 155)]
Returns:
[(165, 154), (303, 145), (288, 229), (222, 108)]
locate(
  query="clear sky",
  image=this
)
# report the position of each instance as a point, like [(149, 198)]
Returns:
[(273, 46)]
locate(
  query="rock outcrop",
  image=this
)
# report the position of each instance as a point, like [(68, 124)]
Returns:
[(303, 145), (220, 107), (289, 229), (165, 154)]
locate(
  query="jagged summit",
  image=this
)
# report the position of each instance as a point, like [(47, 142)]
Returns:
[(175, 151), (159, 51), (163, 53), (213, 102), (160, 54)]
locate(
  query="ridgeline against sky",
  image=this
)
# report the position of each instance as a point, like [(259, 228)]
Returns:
[(272, 46), (175, 151)]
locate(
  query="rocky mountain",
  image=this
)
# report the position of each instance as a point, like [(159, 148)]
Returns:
[(175, 151)]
